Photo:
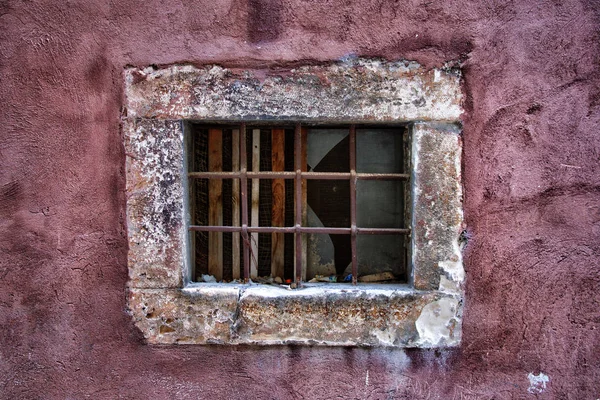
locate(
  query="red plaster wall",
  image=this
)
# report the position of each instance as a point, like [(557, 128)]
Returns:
[(531, 170)]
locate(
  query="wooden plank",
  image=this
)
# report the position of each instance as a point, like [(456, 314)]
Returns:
[(278, 208), (215, 204), (255, 197), (235, 200), (304, 137)]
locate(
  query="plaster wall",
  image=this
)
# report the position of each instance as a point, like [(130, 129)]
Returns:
[(531, 169)]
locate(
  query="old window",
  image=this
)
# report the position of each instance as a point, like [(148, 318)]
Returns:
[(341, 218), (405, 122)]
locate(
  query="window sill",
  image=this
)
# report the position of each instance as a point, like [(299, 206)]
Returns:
[(317, 314)]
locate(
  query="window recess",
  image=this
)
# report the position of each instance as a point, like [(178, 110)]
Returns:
[(267, 199)]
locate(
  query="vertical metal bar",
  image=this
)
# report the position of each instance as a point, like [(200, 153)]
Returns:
[(298, 197), (244, 200), (255, 197), (303, 167), (353, 202), (235, 200), (215, 203)]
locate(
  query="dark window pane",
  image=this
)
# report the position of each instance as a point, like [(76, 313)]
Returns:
[(379, 150)]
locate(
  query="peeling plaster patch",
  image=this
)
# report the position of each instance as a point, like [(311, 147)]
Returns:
[(448, 286), (436, 322), (453, 268), (537, 383)]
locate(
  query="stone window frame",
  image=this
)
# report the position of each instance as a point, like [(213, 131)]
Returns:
[(168, 308)]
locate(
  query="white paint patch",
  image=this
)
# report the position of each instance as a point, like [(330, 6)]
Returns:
[(454, 269), (537, 383), (448, 286), (367, 379), (435, 322), (385, 337)]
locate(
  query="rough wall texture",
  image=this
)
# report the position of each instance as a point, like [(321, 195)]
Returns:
[(532, 189)]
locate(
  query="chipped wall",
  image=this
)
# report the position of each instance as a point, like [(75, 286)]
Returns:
[(530, 168)]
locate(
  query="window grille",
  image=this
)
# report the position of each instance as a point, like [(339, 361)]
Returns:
[(273, 215)]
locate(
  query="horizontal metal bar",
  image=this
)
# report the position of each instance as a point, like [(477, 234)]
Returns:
[(292, 175), (203, 228), (329, 231), (382, 231), (215, 175), (366, 176), (302, 229)]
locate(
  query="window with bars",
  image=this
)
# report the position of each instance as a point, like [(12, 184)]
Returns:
[(222, 181), (265, 199)]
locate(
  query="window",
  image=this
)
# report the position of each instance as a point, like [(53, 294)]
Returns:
[(405, 124), (352, 180)]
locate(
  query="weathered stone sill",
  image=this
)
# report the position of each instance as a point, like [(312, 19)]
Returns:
[(334, 315)]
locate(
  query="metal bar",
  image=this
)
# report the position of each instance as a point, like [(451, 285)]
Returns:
[(255, 206), (302, 229), (214, 228), (378, 177), (235, 200), (298, 197), (353, 202), (244, 200), (304, 166), (215, 204), (330, 231), (215, 175), (382, 231), (272, 175), (292, 175)]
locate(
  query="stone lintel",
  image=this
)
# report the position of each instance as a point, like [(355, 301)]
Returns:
[(355, 90)]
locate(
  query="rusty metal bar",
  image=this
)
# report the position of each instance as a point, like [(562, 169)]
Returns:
[(292, 175), (215, 228), (353, 202), (330, 231), (382, 231), (302, 229), (298, 197), (244, 200), (215, 175), (382, 177)]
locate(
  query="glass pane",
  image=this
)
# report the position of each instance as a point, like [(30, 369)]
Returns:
[(327, 255), (381, 253), (379, 204), (379, 150), (328, 150), (329, 202)]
